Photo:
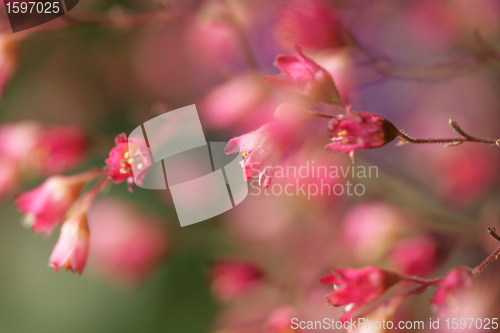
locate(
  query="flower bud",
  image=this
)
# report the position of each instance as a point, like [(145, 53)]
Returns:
[(359, 130)]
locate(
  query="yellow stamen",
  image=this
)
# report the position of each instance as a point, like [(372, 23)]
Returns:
[(342, 133), (244, 154)]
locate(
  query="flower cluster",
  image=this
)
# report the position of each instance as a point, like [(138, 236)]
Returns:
[(59, 200)]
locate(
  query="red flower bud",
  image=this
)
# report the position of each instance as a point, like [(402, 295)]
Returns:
[(359, 130)]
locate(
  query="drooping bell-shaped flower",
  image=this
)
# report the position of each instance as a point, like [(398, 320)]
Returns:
[(46, 205), (303, 76), (72, 248), (357, 287)]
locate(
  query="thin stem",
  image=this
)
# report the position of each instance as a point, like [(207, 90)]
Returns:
[(387, 68), (419, 280), (317, 114), (482, 266), (412, 140), (88, 198), (452, 141)]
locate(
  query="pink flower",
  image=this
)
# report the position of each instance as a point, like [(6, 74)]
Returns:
[(47, 204), (59, 148), (416, 256), (280, 320), (217, 40), (72, 248), (48, 150), (304, 76), (456, 282), (18, 140), (127, 244), (357, 287), (264, 147), (243, 102), (359, 130), (309, 23), (369, 230), (126, 153), (119, 161), (232, 278)]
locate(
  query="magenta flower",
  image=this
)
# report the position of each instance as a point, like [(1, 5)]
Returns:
[(311, 24), (59, 148), (127, 246), (261, 150), (415, 256), (357, 287), (47, 204), (72, 248), (46, 150), (231, 278), (457, 281), (123, 156), (359, 130), (304, 76), (119, 161)]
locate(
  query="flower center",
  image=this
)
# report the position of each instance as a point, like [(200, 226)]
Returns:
[(126, 163)]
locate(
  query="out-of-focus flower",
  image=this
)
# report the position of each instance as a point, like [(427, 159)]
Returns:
[(244, 102), (59, 148), (280, 321), (47, 204), (127, 245), (46, 150), (359, 130), (464, 175), (357, 287), (72, 248), (456, 282), (217, 40), (415, 256), (434, 23), (10, 54), (264, 147), (309, 23), (18, 141), (232, 278), (369, 230), (9, 177), (302, 75)]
